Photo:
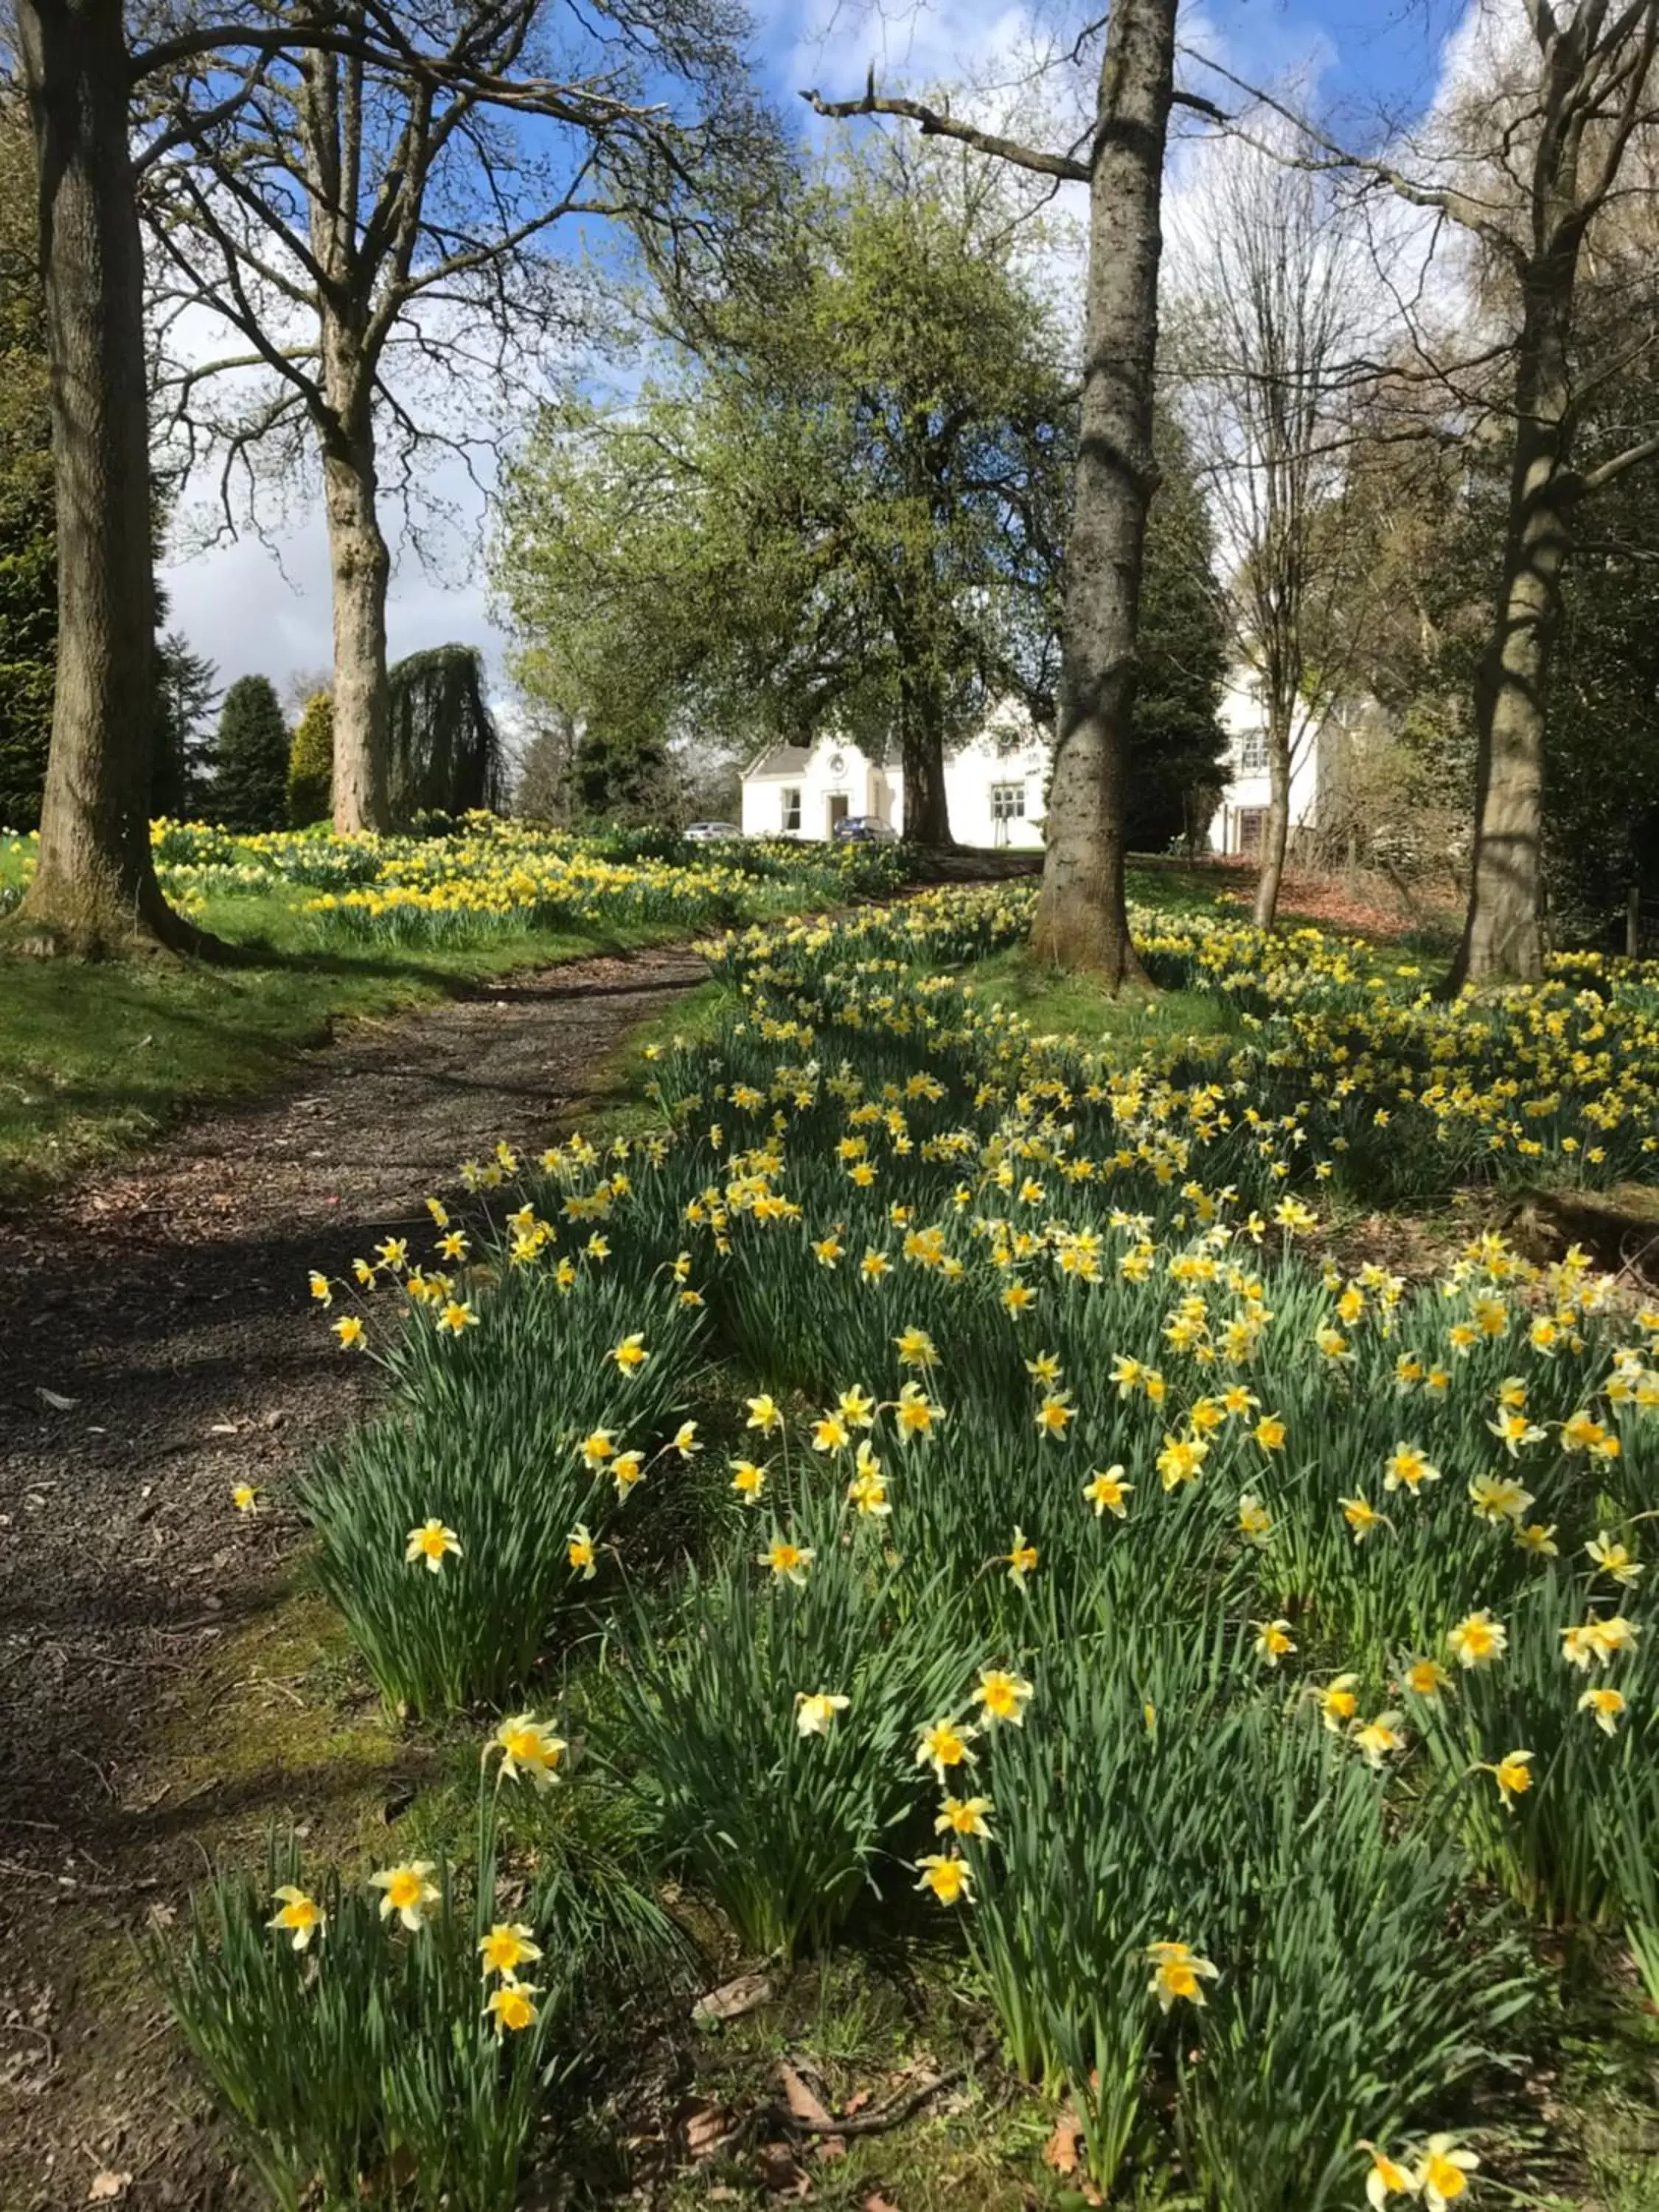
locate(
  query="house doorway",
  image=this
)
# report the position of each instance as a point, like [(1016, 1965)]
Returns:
[(837, 810)]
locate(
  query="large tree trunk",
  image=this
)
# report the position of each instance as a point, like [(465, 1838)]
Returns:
[(1081, 919), (1276, 829), (1503, 932), (95, 889), (921, 739), (359, 564)]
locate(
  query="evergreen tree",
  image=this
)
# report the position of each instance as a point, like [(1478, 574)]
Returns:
[(1175, 742), (310, 764), (187, 690), (250, 757)]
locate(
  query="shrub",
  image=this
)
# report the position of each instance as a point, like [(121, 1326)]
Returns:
[(310, 764)]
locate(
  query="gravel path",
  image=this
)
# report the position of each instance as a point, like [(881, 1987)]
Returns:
[(161, 1346)]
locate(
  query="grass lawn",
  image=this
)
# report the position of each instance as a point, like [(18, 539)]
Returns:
[(95, 1058)]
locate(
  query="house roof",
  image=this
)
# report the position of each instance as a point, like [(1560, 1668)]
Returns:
[(781, 760)]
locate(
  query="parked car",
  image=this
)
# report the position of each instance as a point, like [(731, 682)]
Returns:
[(710, 833), (864, 830)]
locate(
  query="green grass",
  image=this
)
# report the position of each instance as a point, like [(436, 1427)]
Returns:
[(96, 1057), (1055, 1002)]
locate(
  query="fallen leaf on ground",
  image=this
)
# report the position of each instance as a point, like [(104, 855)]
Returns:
[(779, 2172), (733, 1999), (1060, 2152), (105, 2186), (875, 2201), (801, 2102), (55, 1399), (706, 2126)]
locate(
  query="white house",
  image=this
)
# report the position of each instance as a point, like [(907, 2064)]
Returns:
[(1237, 825), (993, 785)]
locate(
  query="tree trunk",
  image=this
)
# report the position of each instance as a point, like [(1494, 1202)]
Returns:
[(1503, 932), (95, 889), (1081, 919), (360, 566), (922, 740), (1276, 829)]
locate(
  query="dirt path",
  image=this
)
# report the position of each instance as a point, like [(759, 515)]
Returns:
[(160, 1347)]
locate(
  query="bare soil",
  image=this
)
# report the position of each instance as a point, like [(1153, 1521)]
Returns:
[(161, 1348)]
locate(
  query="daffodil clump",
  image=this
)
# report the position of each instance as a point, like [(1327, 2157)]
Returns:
[(394, 2033), (1239, 1645)]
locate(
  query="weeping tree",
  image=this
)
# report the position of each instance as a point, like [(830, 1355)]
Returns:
[(444, 752)]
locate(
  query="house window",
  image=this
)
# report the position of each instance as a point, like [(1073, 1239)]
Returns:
[(1250, 819), (1253, 752), (1007, 802), (791, 809)]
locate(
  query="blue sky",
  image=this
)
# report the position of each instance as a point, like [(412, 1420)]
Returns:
[(1371, 65)]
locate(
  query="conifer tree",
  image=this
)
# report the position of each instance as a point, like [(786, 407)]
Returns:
[(250, 757)]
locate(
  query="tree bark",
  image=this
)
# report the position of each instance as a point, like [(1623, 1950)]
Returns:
[(360, 563), (94, 889), (1503, 932), (921, 742), (1276, 829), (1082, 919)]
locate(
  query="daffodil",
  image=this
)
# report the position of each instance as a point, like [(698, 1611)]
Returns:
[(1336, 1701), (1613, 1558), (1408, 1468), (1178, 1973), (1512, 1773), (945, 1744), (1003, 1696), (507, 1947), (630, 1355), (349, 1331), (748, 1480), (815, 1710), (1386, 2178), (1273, 1641), (1478, 1639), (789, 1562), (597, 1447), (684, 1441), (1022, 1558), (1426, 1678), (764, 1414), (1108, 1492), (947, 1877), (529, 1747), (1254, 1522), (434, 1543), (512, 2007), (1443, 2173), (408, 1891), (1376, 1740), (298, 1915), (1605, 1705), (244, 1498), (579, 1550), (964, 1816)]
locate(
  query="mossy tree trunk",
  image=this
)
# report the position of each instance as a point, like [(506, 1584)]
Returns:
[(96, 889)]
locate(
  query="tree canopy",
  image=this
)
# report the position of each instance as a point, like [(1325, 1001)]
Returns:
[(838, 496)]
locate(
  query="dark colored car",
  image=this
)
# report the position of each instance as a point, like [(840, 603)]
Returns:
[(864, 830)]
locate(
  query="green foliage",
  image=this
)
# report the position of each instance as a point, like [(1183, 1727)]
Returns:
[(486, 1437), (785, 1827), (444, 752), (840, 494), (186, 692), (619, 775), (310, 764), (1177, 743), (365, 2064), (250, 757)]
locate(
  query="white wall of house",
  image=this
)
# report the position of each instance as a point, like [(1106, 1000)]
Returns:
[(1237, 825), (992, 787)]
